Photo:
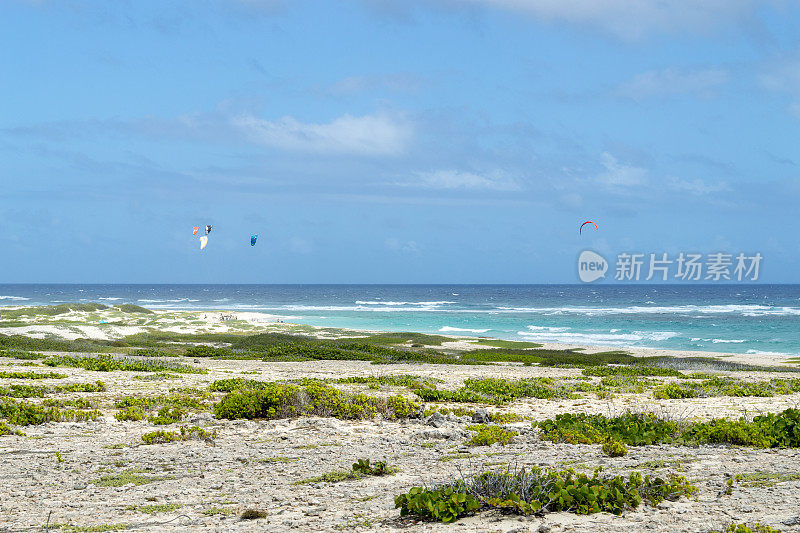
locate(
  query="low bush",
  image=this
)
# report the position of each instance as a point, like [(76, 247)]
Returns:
[(629, 428), (207, 351), (106, 363), (488, 435), (632, 370), (97, 386), (32, 375), (130, 413), (780, 430), (540, 491), (281, 400), (185, 434), (167, 415), (500, 391), (26, 414), (614, 448), (360, 469)]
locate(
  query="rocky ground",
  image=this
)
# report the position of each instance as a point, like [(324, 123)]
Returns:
[(54, 473)]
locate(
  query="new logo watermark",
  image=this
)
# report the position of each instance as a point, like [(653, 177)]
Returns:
[(591, 266), (718, 266)]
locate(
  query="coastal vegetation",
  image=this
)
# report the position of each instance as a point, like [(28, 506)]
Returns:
[(535, 490)]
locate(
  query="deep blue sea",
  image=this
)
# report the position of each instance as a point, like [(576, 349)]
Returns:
[(731, 318)]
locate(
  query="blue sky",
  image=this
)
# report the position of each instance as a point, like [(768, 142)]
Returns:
[(371, 141)]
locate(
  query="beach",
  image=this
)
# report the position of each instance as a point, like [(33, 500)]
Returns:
[(103, 473)]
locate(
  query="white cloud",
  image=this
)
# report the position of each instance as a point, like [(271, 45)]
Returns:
[(697, 187), (378, 134), (456, 179), (670, 82), (619, 175), (632, 19)]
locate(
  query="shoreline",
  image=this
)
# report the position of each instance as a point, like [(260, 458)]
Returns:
[(216, 321)]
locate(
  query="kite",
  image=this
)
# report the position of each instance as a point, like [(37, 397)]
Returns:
[(253, 239), (587, 222), (195, 230), (208, 229), (203, 241)]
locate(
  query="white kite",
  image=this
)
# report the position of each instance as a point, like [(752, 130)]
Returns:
[(203, 241)]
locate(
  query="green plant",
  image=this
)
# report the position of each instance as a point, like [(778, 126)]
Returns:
[(539, 491), (32, 375), (360, 469), (167, 415), (743, 528), (151, 509), (25, 414), (488, 435), (129, 413), (278, 400), (106, 363), (160, 437), (185, 433), (126, 477), (444, 504), (207, 351), (614, 448), (253, 514)]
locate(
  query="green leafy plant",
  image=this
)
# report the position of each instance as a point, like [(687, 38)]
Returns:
[(539, 491), (614, 448), (487, 435)]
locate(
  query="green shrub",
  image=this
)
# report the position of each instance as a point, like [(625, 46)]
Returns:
[(488, 435), (629, 428), (152, 352), (539, 491), (207, 351), (614, 448), (129, 413), (360, 469), (26, 414), (32, 375), (97, 386), (743, 528), (500, 391), (675, 391), (167, 415), (23, 391), (185, 433), (160, 437), (780, 430), (444, 504), (106, 363), (632, 370), (279, 400)]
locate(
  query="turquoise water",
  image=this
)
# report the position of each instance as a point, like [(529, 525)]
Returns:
[(730, 318)]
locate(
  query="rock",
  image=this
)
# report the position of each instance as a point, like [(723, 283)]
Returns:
[(436, 420), (481, 416), (544, 528), (79, 485)]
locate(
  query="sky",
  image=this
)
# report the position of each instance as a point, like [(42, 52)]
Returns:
[(393, 141)]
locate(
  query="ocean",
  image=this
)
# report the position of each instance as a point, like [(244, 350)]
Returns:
[(732, 318)]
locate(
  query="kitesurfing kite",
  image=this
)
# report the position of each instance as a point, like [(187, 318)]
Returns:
[(587, 222), (253, 239), (195, 230), (203, 241), (208, 229)]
